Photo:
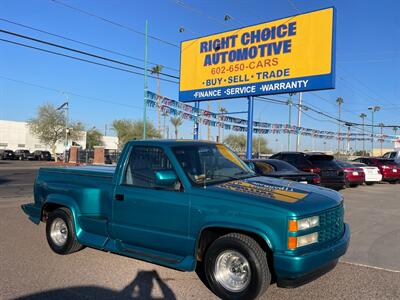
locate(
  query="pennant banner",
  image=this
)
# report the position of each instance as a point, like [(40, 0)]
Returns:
[(205, 117)]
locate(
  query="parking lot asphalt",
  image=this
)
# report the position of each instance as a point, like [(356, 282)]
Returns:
[(30, 270)]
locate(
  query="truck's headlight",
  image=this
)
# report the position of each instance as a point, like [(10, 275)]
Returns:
[(300, 241), (303, 224)]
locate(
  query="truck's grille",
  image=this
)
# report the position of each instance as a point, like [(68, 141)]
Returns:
[(331, 224)]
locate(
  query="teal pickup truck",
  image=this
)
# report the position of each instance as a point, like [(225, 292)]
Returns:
[(194, 205)]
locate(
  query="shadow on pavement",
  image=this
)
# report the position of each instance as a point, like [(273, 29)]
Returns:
[(140, 288), (3, 180)]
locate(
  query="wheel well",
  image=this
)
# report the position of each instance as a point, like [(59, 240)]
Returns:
[(210, 234), (48, 208)]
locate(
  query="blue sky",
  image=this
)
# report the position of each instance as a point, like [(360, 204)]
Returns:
[(367, 54)]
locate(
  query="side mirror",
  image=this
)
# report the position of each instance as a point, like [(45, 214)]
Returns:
[(251, 166), (165, 178)]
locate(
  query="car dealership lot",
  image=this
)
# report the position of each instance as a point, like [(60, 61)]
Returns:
[(30, 269)]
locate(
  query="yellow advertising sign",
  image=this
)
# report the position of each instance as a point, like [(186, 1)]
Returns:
[(287, 55)]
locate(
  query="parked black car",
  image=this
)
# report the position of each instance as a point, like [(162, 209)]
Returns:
[(281, 169), (7, 154), (324, 165), (23, 154), (41, 155)]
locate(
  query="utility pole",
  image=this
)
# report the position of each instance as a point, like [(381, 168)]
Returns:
[(381, 126), (348, 137), (373, 109), (145, 83), (208, 126), (339, 101), (289, 103), (299, 108), (65, 107), (363, 116)]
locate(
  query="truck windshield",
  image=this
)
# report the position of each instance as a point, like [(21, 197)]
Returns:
[(211, 163)]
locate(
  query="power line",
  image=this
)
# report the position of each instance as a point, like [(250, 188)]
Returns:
[(115, 23), (85, 43), (182, 4), (56, 90), (81, 52), (367, 87), (82, 59), (318, 111)]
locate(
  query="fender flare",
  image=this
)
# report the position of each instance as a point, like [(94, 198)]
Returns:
[(239, 227), (67, 202)]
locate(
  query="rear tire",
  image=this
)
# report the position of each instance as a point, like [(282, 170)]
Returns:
[(236, 267), (60, 232)]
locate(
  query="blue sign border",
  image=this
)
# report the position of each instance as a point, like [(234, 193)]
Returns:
[(316, 82)]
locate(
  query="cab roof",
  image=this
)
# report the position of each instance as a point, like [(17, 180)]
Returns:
[(172, 142)]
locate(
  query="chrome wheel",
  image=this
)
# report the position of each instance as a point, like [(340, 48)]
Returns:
[(232, 271), (59, 232)]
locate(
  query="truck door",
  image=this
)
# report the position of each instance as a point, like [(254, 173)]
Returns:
[(146, 215)]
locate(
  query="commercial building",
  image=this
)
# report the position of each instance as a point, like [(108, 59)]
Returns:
[(16, 135)]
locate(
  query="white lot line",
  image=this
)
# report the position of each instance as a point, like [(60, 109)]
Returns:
[(368, 266)]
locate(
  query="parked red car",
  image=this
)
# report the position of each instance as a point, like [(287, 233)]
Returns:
[(389, 169), (353, 176)]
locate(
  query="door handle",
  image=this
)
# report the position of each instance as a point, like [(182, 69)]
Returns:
[(119, 197)]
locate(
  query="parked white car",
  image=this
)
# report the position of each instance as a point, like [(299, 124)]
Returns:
[(372, 174)]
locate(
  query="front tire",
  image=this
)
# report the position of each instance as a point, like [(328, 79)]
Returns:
[(236, 267), (60, 232)]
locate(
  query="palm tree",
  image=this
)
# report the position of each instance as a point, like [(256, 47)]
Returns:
[(157, 70), (223, 111), (176, 122)]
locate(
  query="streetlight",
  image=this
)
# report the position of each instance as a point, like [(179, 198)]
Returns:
[(363, 116), (65, 108), (373, 109)]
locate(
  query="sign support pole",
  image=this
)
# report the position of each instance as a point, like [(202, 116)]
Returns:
[(250, 113), (145, 84), (196, 123)]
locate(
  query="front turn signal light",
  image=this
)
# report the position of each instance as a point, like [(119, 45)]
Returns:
[(292, 243)]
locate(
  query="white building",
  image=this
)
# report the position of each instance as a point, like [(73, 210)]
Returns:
[(16, 135)]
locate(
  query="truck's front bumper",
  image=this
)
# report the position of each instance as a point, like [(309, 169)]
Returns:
[(293, 271)]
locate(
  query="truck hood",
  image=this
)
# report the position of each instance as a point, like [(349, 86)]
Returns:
[(300, 199)]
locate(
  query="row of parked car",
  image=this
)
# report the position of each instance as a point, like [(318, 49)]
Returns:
[(23, 154), (325, 170)]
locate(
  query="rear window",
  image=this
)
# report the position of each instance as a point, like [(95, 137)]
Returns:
[(344, 164), (297, 160), (323, 161), (263, 167), (280, 165)]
